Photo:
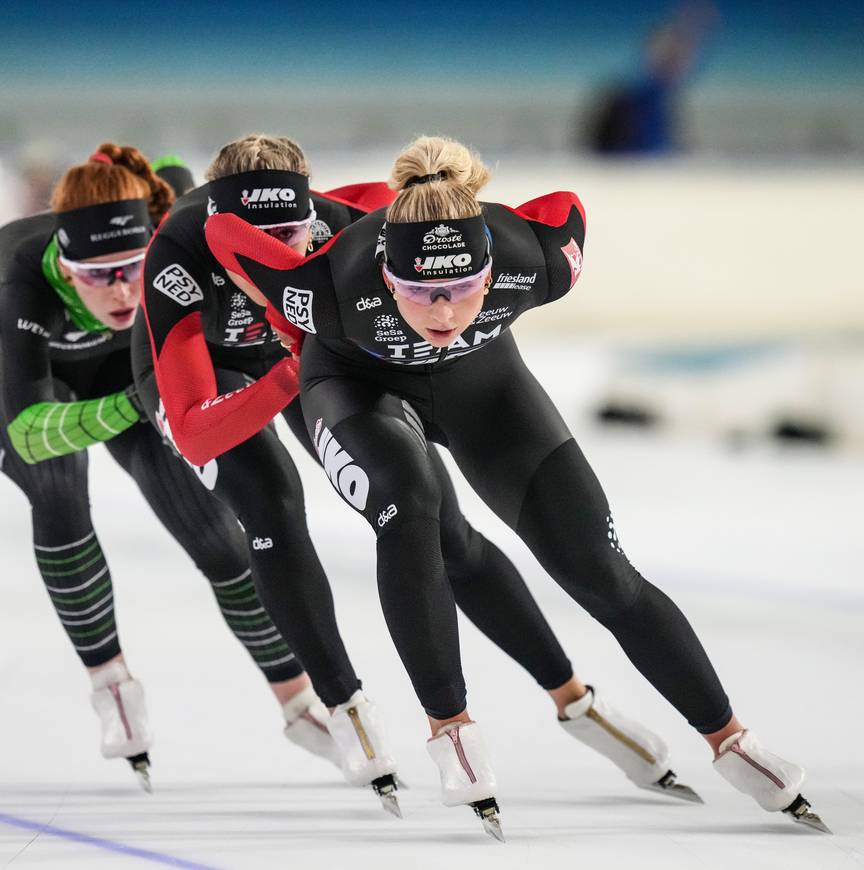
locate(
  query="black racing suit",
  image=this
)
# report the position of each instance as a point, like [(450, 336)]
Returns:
[(194, 343), (48, 361), (373, 393)]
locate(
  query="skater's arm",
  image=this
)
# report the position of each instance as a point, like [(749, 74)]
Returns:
[(41, 427), (362, 198), (558, 222), (298, 290), (203, 422)]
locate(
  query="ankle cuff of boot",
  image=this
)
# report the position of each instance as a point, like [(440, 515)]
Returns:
[(579, 708), (110, 674)]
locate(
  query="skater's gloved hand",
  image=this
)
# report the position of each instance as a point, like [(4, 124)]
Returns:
[(291, 340), (135, 401), (289, 376)]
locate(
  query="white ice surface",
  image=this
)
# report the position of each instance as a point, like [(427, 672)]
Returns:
[(762, 550)]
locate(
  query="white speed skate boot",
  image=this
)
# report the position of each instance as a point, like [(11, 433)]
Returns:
[(466, 774), (364, 757), (119, 702), (773, 783), (306, 725), (640, 754)]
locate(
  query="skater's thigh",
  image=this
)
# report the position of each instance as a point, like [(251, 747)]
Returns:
[(500, 425), (179, 496), (373, 450), (58, 485)]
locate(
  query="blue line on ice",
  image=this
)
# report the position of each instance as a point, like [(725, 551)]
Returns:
[(100, 843)]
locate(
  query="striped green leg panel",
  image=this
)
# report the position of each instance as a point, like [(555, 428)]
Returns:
[(77, 579)]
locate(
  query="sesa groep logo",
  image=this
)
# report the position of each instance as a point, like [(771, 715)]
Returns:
[(574, 260), (268, 197)]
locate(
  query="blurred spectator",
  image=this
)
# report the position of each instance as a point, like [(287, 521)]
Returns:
[(640, 116)]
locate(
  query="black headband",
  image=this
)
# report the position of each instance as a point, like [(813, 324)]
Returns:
[(262, 196), (425, 250), (96, 230), (425, 179)]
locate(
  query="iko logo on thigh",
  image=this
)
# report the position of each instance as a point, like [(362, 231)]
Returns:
[(347, 477)]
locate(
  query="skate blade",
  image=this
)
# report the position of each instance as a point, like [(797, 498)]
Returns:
[(800, 812), (141, 768), (676, 790), (487, 811), (143, 777), (390, 803), (492, 826), (385, 787), (667, 784)]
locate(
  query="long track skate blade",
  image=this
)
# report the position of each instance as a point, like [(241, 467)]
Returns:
[(141, 768), (492, 826), (143, 777), (800, 812), (390, 803), (385, 787), (668, 784), (487, 811), (676, 790)]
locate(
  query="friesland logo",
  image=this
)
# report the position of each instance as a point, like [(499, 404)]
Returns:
[(268, 197), (515, 281), (212, 208), (64, 237), (177, 284), (121, 220)]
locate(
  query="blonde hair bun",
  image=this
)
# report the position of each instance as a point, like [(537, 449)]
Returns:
[(437, 178)]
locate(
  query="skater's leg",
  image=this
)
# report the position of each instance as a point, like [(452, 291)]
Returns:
[(492, 594), (68, 553), (212, 537), (244, 480), (380, 466), (542, 486)]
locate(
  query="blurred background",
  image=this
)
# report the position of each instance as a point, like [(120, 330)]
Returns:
[(718, 147)]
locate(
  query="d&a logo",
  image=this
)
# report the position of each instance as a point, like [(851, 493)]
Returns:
[(260, 197), (262, 543), (365, 304), (574, 260), (386, 515)]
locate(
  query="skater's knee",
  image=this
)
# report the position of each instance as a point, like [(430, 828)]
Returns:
[(401, 494)]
